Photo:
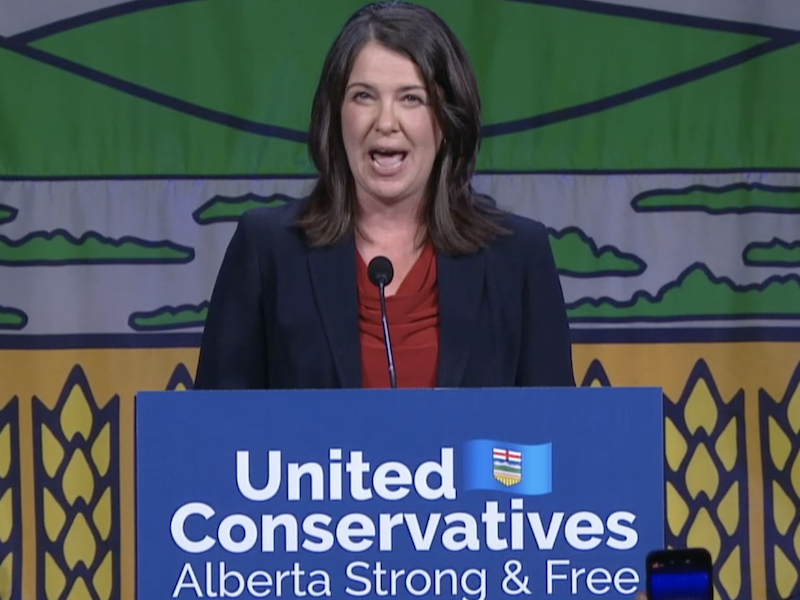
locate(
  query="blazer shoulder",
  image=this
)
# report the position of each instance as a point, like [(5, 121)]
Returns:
[(527, 235)]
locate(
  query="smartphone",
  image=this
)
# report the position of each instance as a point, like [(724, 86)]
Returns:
[(679, 575)]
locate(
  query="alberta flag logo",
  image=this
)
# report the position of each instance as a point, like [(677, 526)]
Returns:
[(508, 467)]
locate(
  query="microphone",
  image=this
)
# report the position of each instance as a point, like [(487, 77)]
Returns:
[(381, 273)]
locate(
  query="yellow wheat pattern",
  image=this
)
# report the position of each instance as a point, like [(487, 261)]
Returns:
[(723, 403), (716, 492), (10, 523), (705, 474), (706, 486), (181, 379), (595, 376), (77, 486), (780, 430)]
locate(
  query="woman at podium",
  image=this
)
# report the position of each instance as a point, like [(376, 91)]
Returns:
[(393, 271)]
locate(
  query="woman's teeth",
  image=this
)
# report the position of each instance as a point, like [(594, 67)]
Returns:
[(387, 159)]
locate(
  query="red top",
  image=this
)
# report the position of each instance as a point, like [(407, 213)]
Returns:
[(413, 314)]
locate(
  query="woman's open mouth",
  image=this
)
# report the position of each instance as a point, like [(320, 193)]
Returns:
[(387, 161)]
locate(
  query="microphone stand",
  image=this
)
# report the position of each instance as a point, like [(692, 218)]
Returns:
[(386, 338)]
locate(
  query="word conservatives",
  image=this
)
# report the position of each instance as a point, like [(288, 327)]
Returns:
[(196, 528)]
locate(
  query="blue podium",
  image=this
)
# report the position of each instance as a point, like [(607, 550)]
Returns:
[(452, 493)]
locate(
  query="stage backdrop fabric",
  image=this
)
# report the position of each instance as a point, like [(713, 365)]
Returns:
[(660, 148)]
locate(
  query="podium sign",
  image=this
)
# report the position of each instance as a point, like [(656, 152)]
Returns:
[(469, 494)]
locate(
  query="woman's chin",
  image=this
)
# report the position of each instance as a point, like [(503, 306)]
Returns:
[(391, 192)]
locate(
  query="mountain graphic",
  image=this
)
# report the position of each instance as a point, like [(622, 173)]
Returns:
[(221, 209), (738, 198), (775, 253), (7, 214), (12, 318), (169, 318), (697, 294), (577, 255), (60, 247)]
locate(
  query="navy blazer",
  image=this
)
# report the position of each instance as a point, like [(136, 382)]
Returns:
[(285, 315)]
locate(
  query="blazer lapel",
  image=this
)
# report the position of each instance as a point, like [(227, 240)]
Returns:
[(460, 282), (333, 278)]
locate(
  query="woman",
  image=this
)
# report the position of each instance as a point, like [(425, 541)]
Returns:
[(475, 300)]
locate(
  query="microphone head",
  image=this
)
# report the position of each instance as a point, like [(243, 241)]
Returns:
[(380, 270)]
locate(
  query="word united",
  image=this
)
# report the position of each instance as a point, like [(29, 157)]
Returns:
[(494, 529)]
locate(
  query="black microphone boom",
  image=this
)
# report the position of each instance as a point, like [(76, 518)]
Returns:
[(381, 273)]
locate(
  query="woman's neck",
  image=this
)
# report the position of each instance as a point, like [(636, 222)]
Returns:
[(390, 224), (395, 231)]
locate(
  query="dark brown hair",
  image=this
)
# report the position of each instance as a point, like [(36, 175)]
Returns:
[(458, 221)]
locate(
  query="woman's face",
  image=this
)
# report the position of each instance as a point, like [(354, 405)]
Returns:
[(390, 132)]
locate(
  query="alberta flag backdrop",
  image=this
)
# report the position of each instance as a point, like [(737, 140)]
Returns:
[(659, 140)]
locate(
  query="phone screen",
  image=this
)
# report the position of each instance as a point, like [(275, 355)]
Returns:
[(679, 582)]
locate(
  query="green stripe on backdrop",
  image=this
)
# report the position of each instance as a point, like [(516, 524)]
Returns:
[(745, 117), (54, 123), (259, 61)]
